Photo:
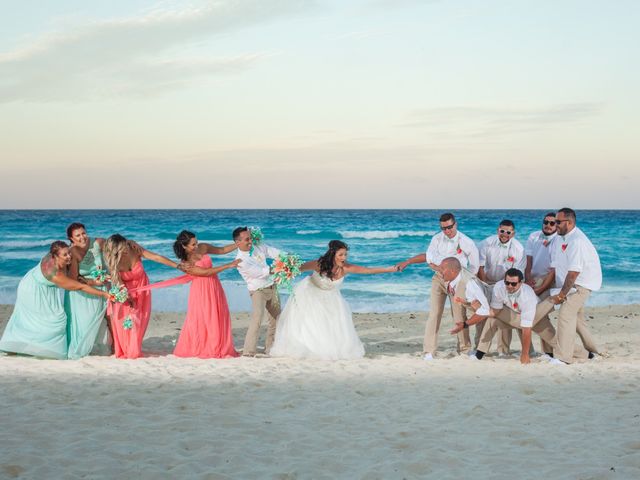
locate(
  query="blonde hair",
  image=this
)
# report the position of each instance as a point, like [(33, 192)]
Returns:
[(114, 248)]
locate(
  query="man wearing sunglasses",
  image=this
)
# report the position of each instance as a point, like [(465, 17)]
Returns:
[(576, 266), (514, 305), (448, 243), (499, 253), (538, 252)]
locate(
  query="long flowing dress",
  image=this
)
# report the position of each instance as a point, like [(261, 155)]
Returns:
[(38, 324), (206, 332), (317, 323), (86, 323), (129, 323)]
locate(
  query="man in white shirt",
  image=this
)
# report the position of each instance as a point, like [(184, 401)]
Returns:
[(465, 290), (576, 266), (448, 243), (499, 253), (264, 297), (538, 252), (514, 304)]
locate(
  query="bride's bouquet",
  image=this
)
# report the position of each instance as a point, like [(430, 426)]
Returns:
[(118, 293), (256, 238), (284, 269)]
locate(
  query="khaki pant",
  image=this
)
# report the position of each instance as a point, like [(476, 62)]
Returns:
[(546, 348), (438, 299), (507, 319), (265, 299), (571, 321)]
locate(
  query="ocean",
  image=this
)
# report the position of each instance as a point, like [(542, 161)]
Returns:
[(375, 238)]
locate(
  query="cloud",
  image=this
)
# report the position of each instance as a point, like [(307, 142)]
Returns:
[(486, 121), (132, 55)]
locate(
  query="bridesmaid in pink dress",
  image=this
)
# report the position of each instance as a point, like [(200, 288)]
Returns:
[(129, 320), (206, 332)]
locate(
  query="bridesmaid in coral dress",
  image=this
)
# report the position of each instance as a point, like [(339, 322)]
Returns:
[(206, 332), (129, 320)]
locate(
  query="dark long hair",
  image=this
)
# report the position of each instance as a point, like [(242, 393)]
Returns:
[(73, 227), (182, 239), (325, 262)]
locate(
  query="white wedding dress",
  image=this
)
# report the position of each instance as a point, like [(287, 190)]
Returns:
[(317, 323)]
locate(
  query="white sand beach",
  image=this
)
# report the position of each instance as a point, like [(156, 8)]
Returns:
[(387, 416)]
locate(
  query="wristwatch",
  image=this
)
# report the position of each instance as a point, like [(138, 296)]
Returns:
[(465, 324)]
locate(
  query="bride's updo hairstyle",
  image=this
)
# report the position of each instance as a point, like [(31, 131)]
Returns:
[(183, 238), (326, 261)]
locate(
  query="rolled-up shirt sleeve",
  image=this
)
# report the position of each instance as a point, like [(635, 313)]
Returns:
[(575, 257), (474, 292), (497, 297), (473, 256), (432, 252), (528, 310)]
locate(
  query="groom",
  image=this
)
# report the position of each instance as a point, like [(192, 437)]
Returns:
[(264, 297)]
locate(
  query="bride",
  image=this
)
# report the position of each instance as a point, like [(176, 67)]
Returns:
[(316, 322)]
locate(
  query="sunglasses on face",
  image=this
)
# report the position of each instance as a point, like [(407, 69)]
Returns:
[(506, 232), (447, 227), (560, 221), (511, 284), (549, 222)]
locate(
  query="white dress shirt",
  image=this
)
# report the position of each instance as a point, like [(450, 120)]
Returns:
[(473, 292), (539, 248), (497, 257), (254, 268), (524, 301), (460, 246), (575, 253)]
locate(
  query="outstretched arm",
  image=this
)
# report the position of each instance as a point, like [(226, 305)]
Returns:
[(157, 258), (207, 248), (207, 272), (311, 265), (421, 258), (62, 281), (349, 268)]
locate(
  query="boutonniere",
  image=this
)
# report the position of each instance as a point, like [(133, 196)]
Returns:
[(458, 250), (545, 243), (511, 259), (515, 305), (564, 246)]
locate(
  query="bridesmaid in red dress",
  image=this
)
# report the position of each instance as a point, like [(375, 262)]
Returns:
[(129, 320), (206, 332)]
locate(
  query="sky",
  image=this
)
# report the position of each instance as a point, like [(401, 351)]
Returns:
[(319, 104)]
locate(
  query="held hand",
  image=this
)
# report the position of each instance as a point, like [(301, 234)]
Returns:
[(183, 266), (458, 328), (235, 263), (492, 312), (458, 300), (531, 282), (393, 269), (401, 266), (557, 299), (524, 358)]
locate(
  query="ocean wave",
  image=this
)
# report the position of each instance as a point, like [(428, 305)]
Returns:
[(383, 234), (29, 244), (308, 232)]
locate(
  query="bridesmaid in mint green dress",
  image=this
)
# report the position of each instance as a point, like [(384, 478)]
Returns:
[(38, 324), (86, 322)]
